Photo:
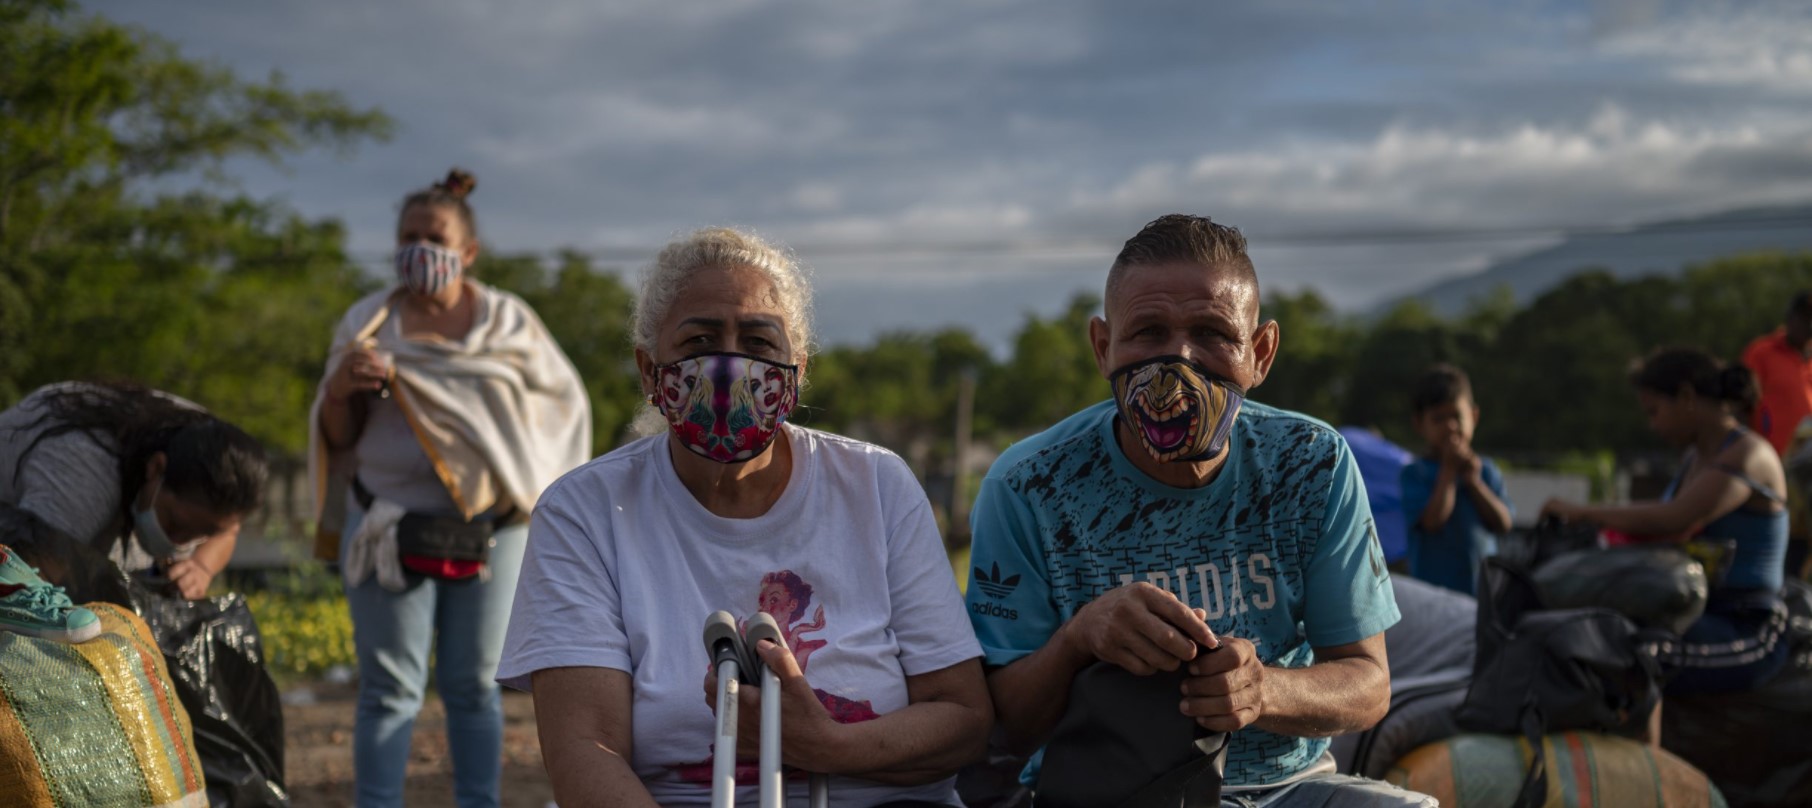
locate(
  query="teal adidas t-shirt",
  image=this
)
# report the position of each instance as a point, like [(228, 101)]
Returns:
[(1279, 550)]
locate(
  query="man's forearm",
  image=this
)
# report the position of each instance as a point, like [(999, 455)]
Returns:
[(1031, 694), (1327, 698)]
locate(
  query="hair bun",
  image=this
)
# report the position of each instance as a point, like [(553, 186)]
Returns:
[(459, 183)]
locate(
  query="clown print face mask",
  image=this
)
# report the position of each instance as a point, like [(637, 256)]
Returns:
[(1181, 412), (724, 406)]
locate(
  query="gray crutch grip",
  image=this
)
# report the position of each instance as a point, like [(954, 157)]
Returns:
[(723, 641), (761, 626)]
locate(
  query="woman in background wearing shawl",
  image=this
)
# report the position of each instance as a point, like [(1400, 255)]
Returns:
[(446, 409)]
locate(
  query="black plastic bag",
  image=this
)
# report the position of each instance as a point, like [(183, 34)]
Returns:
[(212, 648), (1753, 745), (216, 658), (1658, 587), (1528, 549)]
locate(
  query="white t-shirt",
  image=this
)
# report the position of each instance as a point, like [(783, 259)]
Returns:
[(624, 565)]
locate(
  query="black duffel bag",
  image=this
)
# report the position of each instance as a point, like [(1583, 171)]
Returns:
[(1122, 743)]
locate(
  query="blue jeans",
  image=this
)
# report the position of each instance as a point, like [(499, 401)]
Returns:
[(1330, 791), (393, 633)]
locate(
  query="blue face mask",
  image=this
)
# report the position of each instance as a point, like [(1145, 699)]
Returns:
[(151, 535)]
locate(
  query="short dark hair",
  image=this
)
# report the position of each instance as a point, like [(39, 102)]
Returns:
[(1439, 384), (1667, 371), (1182, 237), (1801, 304)]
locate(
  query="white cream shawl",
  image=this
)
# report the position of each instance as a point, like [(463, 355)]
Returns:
[(500, 414)]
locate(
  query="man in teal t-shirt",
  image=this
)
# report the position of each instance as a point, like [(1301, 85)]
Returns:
[(1179, 517)]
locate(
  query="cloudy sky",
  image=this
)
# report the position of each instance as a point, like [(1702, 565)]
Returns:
[(964, 162)]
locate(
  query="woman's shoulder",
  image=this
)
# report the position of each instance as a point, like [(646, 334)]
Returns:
[(1754, 454), (859, 467), (361, 312), (592, 481), (833, 448)]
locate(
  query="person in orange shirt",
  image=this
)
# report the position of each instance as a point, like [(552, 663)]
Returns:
[(1782, 364)]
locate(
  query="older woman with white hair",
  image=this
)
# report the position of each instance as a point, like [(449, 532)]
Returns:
[(733, 508)]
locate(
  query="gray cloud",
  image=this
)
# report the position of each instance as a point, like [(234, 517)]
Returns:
[(866, 130)]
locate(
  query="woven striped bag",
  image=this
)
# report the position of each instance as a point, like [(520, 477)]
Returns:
[(94, 725), (1585, 770)]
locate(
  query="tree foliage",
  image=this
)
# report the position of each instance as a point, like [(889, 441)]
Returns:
[(1550, 377), (106, 273)]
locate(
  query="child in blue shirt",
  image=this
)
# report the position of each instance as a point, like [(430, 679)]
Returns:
[(1455, 497)]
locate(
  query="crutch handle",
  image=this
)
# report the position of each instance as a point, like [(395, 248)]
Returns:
[(723, 641), (761, 626)]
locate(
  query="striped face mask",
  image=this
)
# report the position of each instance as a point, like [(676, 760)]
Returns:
[(426, 268)]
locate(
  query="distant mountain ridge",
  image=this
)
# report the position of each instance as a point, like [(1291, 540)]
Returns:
[(1659, 248)]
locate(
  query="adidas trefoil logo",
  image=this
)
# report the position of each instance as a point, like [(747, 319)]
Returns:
[(993, 585)]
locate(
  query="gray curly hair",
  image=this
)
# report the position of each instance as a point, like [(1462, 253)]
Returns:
[(682, 258), (719, 247)]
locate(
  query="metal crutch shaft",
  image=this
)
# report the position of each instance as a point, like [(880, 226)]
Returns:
[(761, 626), (724, 643)]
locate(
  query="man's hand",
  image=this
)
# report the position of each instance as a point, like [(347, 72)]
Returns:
[(1140, 627), (808, 733), (1224, 691), (191, 578)]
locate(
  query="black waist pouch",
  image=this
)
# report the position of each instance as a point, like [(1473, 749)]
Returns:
[(427, 536)]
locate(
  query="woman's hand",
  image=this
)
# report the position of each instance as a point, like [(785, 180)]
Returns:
[(360, 371), (809, 736), (191, 578)]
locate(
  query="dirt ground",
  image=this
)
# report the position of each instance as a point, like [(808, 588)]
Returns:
[(318, 742)]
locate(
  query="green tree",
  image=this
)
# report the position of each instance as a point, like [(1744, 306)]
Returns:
[(1052, 374), (103, 273), (1316, 349), (1389, 358)]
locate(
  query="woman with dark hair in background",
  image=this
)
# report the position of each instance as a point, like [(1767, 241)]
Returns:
[(147, 478), (1729, 489), (446, 408)]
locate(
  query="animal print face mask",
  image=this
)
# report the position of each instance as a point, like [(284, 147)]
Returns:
[(725, 406), (1181, 411)]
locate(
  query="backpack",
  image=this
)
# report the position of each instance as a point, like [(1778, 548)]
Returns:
[(1547, 670)]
